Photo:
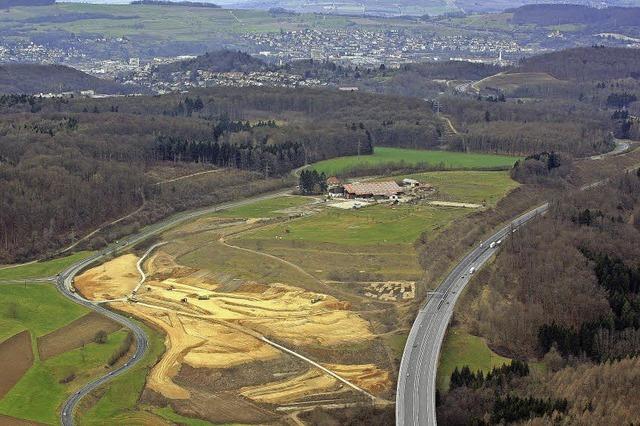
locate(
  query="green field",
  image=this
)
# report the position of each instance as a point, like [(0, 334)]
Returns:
[(509, 82), (469, 186), (265, 208), (39, 394), (460, 349), (46, 268), (39, 308), (336, 244), (119, 401), (154, 24), (403, 224), (382, 155), (378, 224)]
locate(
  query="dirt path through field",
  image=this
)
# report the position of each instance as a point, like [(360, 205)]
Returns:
[(345, 295)]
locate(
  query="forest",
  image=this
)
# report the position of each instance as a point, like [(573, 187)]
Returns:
[(586, 63), (33, 79), (68, 166), (560, 14), (564, 290)]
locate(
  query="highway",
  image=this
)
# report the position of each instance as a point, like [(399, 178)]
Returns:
[(64, 284), (415, 396)]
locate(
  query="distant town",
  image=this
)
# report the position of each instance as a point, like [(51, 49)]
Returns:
[(356, 48)]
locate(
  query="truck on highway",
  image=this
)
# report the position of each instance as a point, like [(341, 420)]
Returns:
[(492, 245)]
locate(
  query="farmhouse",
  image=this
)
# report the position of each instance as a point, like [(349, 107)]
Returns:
[(333, 182), (389, 189)]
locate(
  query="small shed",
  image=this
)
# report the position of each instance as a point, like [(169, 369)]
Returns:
[(411, 183)]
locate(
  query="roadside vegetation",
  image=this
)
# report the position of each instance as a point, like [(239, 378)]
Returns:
[(117, 400), (462, 349)]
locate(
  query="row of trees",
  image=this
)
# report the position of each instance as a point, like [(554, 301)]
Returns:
[(497, 376)]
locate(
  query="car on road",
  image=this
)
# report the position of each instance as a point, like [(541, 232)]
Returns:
[(472, 270)]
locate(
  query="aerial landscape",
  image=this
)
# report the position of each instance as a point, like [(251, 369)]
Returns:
[(284, 212)]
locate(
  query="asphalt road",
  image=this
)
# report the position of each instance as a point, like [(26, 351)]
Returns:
[(415, 396), (65, 286)]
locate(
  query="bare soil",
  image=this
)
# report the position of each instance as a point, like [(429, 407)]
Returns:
[(111, 280), (223, 407), (12, 421), (16, 357), (75, 334)]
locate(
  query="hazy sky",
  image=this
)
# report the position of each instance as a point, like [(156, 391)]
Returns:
[(220, 2)]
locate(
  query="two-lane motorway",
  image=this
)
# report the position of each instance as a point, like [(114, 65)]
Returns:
[(65, 286), (415, 397)]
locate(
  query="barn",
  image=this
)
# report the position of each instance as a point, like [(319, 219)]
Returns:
[(389, 189)]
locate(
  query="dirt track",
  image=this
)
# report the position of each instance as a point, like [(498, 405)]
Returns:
[(16, 357)]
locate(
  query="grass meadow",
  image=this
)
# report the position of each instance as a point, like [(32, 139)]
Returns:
[(46, 268), (383, 155)]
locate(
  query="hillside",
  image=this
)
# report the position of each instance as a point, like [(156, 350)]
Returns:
[(218, 61), (586, 63), (33, 79), (561, 14), (71, 165), (5, 4)]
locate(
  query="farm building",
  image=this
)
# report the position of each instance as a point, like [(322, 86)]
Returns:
[(389, 189), (411, 183), (333, 182)]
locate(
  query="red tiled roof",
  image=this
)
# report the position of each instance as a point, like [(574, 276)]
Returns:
[(333, 181), (374, 188)]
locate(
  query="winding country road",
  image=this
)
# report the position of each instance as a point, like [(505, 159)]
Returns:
[(65, 286)]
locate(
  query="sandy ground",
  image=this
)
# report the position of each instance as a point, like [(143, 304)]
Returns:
[(292, 390), (284, 312), (314, 382), (111, 280), (177, 343), (213, 330), (366, 376)]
